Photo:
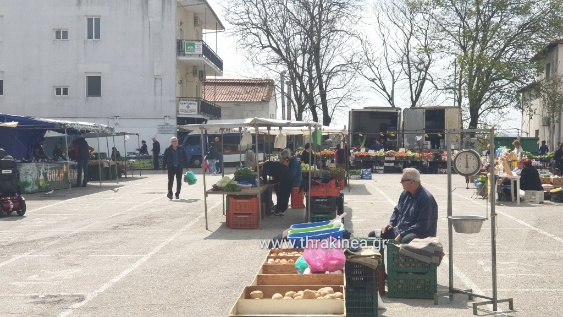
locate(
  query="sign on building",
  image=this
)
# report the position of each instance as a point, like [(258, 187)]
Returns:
[(166, 129), (187, 107), (193, 47)]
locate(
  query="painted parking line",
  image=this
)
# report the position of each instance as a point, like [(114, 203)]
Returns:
[(89, 297)]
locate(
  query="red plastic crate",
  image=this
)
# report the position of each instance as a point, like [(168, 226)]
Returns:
[(323, 190), (243, 221), (243, 205), (297, 198)]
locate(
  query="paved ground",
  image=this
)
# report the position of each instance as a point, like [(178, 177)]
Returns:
[(95, 252)]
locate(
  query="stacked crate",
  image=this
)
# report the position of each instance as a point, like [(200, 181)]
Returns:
[(323, 201), (408, 277), (243, 212), (361, 290)]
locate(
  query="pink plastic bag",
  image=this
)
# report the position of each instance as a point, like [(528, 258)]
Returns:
[(324, 255)]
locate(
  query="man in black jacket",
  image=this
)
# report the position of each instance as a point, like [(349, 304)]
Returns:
[(281, 175), (155, 152), (82, 150), (175, 159)]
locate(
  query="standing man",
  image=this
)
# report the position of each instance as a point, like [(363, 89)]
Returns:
[(543, 148), (416, 213), (155, 152), (38, 153), (176, 159), (82, 150), (282, 177), (219, 146)]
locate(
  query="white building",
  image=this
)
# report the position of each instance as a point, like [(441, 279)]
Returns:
[(535, 118), (135, 65), (242, 98)]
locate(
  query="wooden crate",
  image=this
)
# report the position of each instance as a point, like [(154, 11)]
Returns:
[(245, 306), (278, 269), (299, 279), (557, 181)]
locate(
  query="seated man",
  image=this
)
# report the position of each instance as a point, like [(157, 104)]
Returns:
[(530, 177), (416, 213)]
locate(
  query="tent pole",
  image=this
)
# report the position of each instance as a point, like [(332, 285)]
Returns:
[(204, 184), (107, 148), (240, 146), (126, 158), (99, 159), (67, 160), (222, 158), (308, 210)]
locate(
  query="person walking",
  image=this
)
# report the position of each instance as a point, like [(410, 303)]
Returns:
[(82, 150), (155, 152), (211, 158), (175, 159), (219, 147)]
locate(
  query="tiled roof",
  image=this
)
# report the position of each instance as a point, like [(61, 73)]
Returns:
[(238, 90)]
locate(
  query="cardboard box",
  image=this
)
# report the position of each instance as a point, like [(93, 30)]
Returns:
[(299, 279), (557, 181), (545, 180)]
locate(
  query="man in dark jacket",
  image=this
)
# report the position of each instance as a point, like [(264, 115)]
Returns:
[(82, 150), (282, 177), (176, 160), (155, 152)]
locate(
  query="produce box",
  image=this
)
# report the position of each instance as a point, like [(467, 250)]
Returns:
[(278, 269), (299, 279), (283, 252), (557, 181), (545, 180), (246, 306)]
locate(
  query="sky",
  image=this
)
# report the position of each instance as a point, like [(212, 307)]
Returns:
[(236, 65)]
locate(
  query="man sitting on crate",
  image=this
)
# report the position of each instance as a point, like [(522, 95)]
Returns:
[(416, 213)]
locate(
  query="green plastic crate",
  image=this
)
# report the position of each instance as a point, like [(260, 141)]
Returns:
[(361, 302), (398, 263), (412, 285)]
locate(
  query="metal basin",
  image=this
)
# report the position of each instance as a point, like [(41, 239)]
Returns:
[(467, 224)]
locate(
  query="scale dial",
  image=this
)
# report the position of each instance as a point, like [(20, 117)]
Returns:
[(467, 163)]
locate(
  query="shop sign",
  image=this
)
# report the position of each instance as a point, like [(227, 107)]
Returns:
[(192, 47), (187, 107)]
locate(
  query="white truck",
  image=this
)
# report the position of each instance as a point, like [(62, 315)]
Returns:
[(375, 123)]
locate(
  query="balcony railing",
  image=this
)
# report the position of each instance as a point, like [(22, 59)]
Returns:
[(198, 48), (192, 106)]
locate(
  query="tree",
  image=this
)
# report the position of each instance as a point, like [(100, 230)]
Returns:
[(309, 38), (405, 53), (492, 41)]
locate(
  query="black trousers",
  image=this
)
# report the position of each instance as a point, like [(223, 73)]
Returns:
[(155, 162), (283, 191), (177, 172)]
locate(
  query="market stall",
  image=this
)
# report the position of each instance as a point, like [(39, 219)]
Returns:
[(47, 174), (256, 123)]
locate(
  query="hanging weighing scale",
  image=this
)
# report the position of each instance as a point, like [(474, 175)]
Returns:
[(468, 163)]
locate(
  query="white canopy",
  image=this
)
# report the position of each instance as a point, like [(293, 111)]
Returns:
[(218, 125)]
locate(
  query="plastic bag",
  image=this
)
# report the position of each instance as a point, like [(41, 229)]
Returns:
[(190, 178), (301, 265), (324, 255)]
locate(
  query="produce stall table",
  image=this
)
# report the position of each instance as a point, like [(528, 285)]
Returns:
[(254, 191)]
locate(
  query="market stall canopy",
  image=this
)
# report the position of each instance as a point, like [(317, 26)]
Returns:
[(215, 126), (8, 124), (18, 141)]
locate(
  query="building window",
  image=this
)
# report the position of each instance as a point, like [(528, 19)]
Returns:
[(1, 87), (61, 91), (547, 70), (61, 34), (93, 86), (93, 28)]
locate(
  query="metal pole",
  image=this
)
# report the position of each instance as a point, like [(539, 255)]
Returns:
[(221, 153), (288, 113), (240, 147), (126, 158), (450, 234), (308, 210), (493, 226), (139, 155), (204, 184)]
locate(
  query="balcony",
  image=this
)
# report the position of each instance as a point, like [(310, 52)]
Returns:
[(198, 53), (197, 107)]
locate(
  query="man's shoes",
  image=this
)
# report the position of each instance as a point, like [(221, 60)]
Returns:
[(277, 214), (177, 196), (169, 195), (84, 185)]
